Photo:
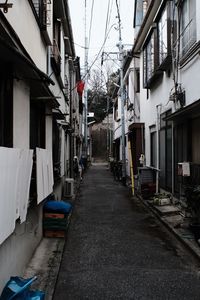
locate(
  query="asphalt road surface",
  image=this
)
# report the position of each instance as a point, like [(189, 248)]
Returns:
[(116, 249)]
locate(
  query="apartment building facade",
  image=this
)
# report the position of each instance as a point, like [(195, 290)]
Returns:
[(167, 35), (38, 72)]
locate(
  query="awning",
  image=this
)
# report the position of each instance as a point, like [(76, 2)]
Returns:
[(135, 126), (58, 114), (189, 112)]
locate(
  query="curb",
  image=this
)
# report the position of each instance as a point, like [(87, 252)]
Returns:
[(191, 246)]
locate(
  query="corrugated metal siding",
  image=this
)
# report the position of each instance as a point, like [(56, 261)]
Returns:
[(16, 166), (44, 173)]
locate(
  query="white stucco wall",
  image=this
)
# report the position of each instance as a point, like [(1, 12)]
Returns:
[(190, 80), (198, 19), (21, 114), (23, 241), (159, 94), (23, 21)]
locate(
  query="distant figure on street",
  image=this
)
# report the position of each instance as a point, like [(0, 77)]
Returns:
[(81, 167), (75, 167), (78, 167)]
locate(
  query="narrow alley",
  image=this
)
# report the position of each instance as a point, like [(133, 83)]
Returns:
[(115, 249)]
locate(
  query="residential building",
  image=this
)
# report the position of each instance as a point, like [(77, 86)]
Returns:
[(161, 93), (39, 70), (167, 39)]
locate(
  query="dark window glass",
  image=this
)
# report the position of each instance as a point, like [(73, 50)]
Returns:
[(6, 108), (162, 36), (37, 125), (188, 25)]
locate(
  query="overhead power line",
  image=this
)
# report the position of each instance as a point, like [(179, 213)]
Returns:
[(98, 54)]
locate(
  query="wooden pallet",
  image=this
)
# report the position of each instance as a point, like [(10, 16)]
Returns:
[(54, 215), (54, 233)]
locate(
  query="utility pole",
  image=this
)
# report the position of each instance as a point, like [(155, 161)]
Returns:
[(86, 88), (108, 141), (122, 98)]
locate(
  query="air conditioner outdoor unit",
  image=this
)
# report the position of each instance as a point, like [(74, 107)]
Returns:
[(69, 187)]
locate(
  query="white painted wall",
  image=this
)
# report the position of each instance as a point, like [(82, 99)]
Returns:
[(24, 23), (148, 112), (17, 250), (198, 19), (190, 80), (21, 114)]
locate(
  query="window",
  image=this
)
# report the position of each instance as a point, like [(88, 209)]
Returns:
[(42, 12), (56, 57), (141, 7), (157, 50), (56, 149), (137, 80), (188, 25), (162, 36), (116, 111), (138, 17), (37, 125), (6, 107), (149, 59)]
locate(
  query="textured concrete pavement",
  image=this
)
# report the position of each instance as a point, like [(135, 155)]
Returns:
[(116, 249)]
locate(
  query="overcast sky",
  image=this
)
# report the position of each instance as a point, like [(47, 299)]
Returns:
[(98, 26)]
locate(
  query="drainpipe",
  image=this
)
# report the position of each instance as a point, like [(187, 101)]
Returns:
[(157, 147), (108, 142), (172, 158), (48, 60), (71, 126)]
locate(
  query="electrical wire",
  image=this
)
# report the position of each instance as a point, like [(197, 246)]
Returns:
[(98, 54), (111, 7)]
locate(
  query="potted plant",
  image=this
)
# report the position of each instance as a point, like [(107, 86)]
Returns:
[(192, 194)]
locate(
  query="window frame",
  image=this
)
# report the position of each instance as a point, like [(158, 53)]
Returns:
[(185, 26), (37, 125), (150, 73), (158, 65), (40, 13), (56, 146)]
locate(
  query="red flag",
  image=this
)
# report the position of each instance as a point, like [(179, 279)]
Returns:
[(80, 87)]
